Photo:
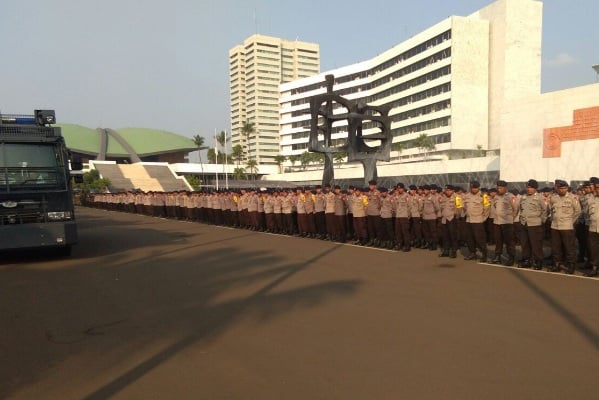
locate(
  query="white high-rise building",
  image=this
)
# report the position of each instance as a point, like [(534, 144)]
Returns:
[(471, 88), (256, 68)]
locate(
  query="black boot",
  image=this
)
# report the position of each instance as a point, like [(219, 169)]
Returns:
[(471, 256), (496, 259), (537, 265), (510, 261), (444, 253), (592, 272), (524, 263), (570, 268), (452, 253)]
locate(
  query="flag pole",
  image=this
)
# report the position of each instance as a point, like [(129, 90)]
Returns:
[(216, 158), (226, 164)]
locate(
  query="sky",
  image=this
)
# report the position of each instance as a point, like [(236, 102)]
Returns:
[(164, 64)]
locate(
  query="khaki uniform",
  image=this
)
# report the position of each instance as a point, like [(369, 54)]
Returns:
[(565, 210)]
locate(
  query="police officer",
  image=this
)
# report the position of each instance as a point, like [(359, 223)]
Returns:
[(565, 209), (592, 207), (373, 214), (402, 204), (476, 209), (533, 214), (505, 207), (451, 206)]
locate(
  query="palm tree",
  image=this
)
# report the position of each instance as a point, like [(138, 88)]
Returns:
[(237, 153), (211, 154), (247, 129), (239, 173), (199, 142), (253, 167), (280, 159)]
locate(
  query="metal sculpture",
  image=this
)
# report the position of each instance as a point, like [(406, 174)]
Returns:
[(367, 149)]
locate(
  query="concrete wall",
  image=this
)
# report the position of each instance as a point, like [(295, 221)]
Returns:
[(469, 83), (523, 141), (514, 57)]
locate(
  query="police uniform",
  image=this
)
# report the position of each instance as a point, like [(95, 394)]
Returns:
[(359, 202), (451, 206), (565, 210), (533, 214), (476, 209), (402, 205), (592, 207), (505, 206)]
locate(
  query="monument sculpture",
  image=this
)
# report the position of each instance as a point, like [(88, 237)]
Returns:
[(331, 112)]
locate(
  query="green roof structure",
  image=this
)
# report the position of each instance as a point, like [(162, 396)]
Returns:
[(142, 142)]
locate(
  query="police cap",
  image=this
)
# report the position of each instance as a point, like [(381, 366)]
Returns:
[(501, 183), (372, 182), (561, 183), (594, 180), (401, 185), (383, 190), (532, 183), (413, 187), (475, 184)]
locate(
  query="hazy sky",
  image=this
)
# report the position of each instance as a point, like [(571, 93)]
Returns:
[(164, 64)]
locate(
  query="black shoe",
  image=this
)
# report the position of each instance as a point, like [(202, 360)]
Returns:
[(524, 263), (471, 256), (587, 265), (496, 260), (445, 253), (405, 249), (509, 262), (592, 272), (452, 254), (570, 268), (537, 265)]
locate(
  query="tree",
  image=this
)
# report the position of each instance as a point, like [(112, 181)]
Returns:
[(239, 173), (293, 159), (399, 147), (424, 143), (252, 165), (247, 129), (305, 159), (93, 183), (199, 142), (237, 154), (280, 159), (211, 155), (193, 181), (339, 157)]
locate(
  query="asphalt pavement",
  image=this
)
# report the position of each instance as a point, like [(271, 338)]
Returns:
[(148, 308)]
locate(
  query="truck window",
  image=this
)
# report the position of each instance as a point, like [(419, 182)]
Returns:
[(30, 166)]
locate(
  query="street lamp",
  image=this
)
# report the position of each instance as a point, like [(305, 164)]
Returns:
[(596, 68)]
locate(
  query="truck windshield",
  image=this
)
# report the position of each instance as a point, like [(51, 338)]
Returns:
[(31, 166)]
